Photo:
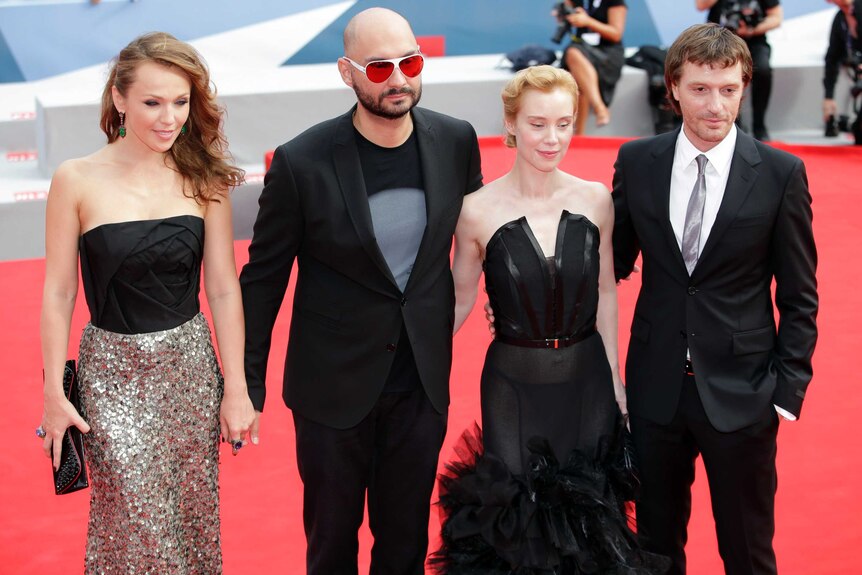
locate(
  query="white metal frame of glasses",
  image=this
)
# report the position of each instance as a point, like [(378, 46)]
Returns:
[(396, 63)]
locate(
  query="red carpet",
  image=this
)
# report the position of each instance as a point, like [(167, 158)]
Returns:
[(819, 512)]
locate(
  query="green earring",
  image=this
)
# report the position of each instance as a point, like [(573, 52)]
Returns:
[(183, 130), (122, 130)]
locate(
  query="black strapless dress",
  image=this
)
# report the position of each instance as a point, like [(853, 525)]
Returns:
[(541, 489), (150, 388)]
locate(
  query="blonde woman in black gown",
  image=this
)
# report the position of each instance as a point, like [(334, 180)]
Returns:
[(541, 490), (143, 213)]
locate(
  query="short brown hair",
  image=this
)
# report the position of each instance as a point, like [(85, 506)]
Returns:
[(200, 155), (542, 78), (708, 44)]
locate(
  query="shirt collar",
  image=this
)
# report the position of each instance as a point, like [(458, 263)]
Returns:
[(719, 157)]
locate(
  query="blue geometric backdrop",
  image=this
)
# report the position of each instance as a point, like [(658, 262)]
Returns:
[(42, 38), (474, 27)]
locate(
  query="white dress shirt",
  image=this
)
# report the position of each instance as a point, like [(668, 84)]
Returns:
[(683, 178)]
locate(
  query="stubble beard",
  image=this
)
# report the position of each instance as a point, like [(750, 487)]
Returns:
[(378, 106)]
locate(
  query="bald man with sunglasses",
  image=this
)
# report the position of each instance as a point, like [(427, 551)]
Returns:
[(366, 204)]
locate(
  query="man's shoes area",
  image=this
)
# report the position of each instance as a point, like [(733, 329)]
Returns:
[(831, 130)]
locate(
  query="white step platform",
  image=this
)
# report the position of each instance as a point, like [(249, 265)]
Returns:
[(266, 108)]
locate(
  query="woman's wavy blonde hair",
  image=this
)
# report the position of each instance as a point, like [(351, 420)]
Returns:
[(543, 78), (201, 154)]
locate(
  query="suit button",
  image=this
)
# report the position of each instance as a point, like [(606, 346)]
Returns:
[(390, 347), (692, 290), (682, 334), (403, 301)]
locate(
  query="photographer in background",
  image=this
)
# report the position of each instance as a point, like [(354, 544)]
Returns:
[(596, 68), (751, 20), (845, 49)]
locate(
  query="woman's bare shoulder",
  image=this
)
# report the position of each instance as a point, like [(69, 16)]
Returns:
[(87, 167), (592, 199), (585, 190), (85, 181), (479, 201), (69, 177)]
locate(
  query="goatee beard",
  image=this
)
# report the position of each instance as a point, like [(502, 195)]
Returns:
[(378, 108)]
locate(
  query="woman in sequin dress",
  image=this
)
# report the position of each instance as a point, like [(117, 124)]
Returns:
[(153, 399), (541, 489)]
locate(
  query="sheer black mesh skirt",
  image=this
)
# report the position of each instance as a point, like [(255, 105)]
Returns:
[(545, 489)]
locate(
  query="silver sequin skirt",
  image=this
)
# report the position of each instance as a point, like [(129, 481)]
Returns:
[(152, 401)]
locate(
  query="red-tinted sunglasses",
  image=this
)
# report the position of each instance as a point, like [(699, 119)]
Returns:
[(379, 70)]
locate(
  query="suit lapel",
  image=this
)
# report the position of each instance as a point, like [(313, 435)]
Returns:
[(428, 158), (662, 169), (348, 170), (740, 182)]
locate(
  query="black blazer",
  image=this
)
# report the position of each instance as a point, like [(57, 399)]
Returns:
[(347, 309), (724, 311)]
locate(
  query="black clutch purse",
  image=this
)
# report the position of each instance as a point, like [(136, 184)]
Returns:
[(72, 474), (626, 475)]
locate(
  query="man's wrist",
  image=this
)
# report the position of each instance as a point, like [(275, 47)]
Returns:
[(784, 413)]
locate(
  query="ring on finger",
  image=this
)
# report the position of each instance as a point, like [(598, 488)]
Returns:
[(40, 432)]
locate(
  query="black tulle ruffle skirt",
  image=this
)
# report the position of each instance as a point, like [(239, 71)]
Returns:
[(562, 519)]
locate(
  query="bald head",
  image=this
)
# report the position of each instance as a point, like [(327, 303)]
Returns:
[(376, 26)]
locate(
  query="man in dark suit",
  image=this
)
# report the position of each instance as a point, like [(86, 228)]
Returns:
[(717, 216), (367, 204)]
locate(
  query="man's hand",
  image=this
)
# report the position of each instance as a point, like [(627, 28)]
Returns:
[(636, 269), (489, 315), (254, 431)]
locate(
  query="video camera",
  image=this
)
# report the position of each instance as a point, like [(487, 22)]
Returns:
[(562, 10), (736, 12)]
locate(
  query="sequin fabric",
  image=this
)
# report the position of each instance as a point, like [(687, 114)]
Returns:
[(152, 401)]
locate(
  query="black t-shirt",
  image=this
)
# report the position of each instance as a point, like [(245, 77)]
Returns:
[(717, 10), (598, 9), (393, 181), (389, 168)]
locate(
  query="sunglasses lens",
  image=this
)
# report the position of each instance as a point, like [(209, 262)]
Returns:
[(379, 71), (412, 66)]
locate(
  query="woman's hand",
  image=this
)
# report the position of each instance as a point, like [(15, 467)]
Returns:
[(238, 417), (57, 415), (620, 394)]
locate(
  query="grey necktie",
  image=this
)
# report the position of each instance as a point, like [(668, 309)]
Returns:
[(694, 217)]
